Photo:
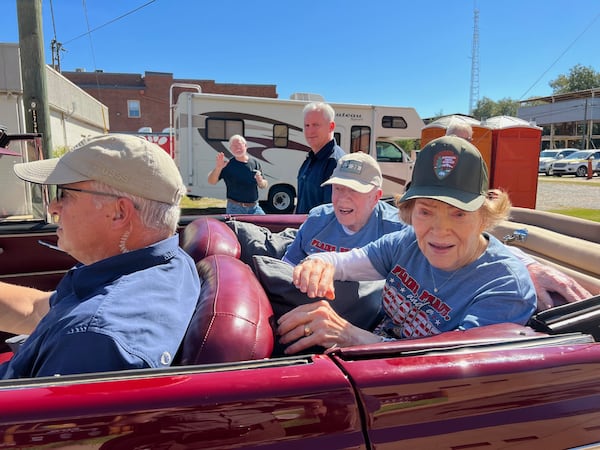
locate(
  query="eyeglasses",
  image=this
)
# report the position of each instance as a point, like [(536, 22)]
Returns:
[(60, 192)]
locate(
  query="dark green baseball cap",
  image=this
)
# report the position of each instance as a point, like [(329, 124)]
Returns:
[(451, 170)]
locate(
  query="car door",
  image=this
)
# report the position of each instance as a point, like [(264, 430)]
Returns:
[(291, 403), (476, 395)]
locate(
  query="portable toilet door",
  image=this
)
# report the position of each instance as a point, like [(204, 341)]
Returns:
[(482, 135), (515, 158)]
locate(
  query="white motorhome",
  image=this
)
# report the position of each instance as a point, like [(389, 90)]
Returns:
[(203, 124)]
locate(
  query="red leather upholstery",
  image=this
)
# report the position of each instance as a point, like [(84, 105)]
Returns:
[(208, 236), (274, 222), (232, 318)]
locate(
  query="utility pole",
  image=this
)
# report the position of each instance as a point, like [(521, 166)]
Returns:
[(474, 93), (33, 71), (56, 49)]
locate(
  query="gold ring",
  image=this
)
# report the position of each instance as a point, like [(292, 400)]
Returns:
[(307, 331)]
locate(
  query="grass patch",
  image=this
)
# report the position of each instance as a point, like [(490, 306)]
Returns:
[(202, 202), (588, 214), (570, 180)]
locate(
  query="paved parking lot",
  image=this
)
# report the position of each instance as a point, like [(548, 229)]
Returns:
[(567, 192)]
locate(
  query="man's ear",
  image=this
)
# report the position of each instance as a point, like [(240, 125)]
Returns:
[(123, 211), (378, 194)]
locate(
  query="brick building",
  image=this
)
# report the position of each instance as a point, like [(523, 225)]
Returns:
[(135, 101)]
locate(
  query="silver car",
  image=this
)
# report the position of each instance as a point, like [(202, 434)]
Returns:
[(577, 164), (547, 157)]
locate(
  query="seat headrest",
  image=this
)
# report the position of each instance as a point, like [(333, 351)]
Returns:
[(232, 321), (208, 236)]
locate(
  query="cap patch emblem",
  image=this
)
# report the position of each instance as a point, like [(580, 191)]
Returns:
[(351, 166), (444, 163)]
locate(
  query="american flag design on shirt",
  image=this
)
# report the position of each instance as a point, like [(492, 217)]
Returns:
[(411, 311)]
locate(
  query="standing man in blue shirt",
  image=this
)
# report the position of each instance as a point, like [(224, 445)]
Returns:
[(319, 123), (128, 302)]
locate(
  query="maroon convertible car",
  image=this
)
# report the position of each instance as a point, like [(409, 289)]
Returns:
[(498, 387)]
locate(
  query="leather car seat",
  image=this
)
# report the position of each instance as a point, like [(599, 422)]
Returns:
[(232, 321), (209, 236)]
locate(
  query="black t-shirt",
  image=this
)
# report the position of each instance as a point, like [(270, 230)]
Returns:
[(239, 180)]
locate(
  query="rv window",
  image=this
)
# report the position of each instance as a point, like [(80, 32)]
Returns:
[(338, 138), (360, 138), (280, 135), (393, 122), (223, 129)]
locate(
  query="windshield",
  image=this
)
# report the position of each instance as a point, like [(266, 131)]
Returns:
[(578, 155), (19, 200), (548, 154)]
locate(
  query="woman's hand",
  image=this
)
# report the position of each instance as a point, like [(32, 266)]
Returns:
[(314, 277), (318, 324)]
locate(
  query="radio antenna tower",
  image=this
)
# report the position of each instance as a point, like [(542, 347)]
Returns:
[(474, 94)]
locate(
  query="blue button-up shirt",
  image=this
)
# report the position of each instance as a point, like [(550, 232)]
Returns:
[(316, 169), (124, 312)]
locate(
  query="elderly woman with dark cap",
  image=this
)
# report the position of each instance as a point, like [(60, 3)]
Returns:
[(444, 272)]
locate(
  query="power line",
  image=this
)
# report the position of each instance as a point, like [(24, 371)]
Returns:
[(560, 56), (110, 21), (55, 45), (89, 34)]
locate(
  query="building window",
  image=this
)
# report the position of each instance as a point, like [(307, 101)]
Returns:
[(133, 109), (223, 129), (360, 137)]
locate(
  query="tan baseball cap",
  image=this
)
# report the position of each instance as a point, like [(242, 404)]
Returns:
[(128, 163), (358, 171)]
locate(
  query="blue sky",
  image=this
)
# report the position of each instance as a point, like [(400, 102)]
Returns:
[(398, 53)]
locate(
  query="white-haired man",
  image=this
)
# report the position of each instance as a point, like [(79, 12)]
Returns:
[(129, 300)]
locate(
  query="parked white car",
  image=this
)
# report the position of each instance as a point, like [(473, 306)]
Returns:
[(547, 157), (577, 164)]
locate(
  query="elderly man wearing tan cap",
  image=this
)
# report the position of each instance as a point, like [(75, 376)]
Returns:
[(356, 215), (128, 301)]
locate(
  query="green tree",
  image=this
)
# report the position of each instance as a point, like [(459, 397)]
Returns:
[(579, 78), (507, 107), (407, 144), (487, 107)]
